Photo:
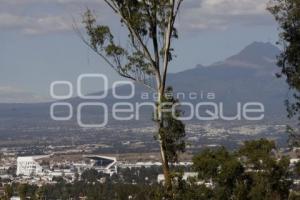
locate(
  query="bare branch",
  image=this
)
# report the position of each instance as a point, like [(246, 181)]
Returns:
[(111, 6), (177, 9)]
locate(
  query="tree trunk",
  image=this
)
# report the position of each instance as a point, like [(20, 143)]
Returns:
[(166, 168), (162, 145)]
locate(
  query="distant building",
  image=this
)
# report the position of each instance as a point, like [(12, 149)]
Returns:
[(29, 165), (149, 164), (186, 176), (139, 164), (107, 165), (294, 161), (15, 198)]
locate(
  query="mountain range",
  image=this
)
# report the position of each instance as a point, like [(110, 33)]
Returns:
[(248, 76)]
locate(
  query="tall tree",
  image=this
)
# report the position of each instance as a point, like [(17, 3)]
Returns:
[(287, 14), (148, 52)]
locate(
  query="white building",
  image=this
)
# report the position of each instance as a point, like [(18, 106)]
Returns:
[(15, 198), (186, 176), (29, 165), (105, 164), (294, 161)]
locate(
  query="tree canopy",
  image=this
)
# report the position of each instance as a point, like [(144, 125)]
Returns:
[(287, 14)]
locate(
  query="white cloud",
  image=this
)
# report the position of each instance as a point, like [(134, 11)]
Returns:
[(26, 16), (220, 14), (35, 25), (48, 1), (10, 21), (196, 15), (48, 24)]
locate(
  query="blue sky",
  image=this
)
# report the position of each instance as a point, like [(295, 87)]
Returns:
[(38, 44)]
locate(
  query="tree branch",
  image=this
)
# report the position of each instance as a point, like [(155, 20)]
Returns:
[(177, 9), (139, 39), (167, 45), (117, 69)]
